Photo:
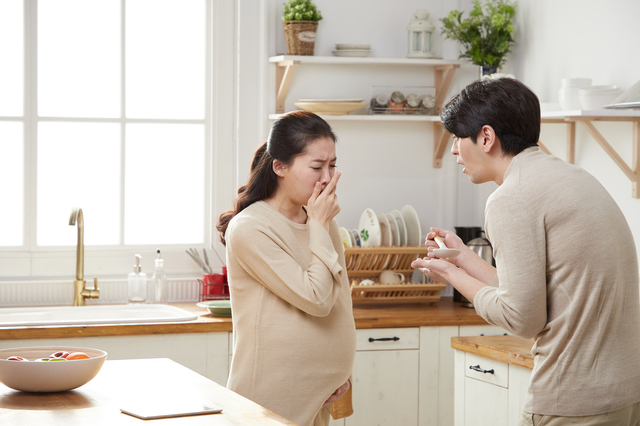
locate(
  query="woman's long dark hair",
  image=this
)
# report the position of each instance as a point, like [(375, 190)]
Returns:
[(288, 138)]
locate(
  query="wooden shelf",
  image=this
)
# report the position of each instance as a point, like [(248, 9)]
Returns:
[(586, 119), (374, 117), (283, 60), (444, 70)]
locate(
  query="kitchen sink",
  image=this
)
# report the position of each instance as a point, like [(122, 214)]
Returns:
[(95, 314)]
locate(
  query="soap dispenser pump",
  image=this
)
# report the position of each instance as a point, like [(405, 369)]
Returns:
[(137, 283)]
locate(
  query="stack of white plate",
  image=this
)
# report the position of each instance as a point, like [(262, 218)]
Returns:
[(399, 228), (352, 50)]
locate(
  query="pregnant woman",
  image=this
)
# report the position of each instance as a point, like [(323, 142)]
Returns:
[(293, 327)]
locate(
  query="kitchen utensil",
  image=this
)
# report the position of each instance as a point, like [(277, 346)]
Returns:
[(198, 261), (48, 376), (444, 252), (206, 260)]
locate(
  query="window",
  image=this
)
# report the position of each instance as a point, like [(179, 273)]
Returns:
[(105, 106)]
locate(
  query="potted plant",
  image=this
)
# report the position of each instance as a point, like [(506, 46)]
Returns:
[(300, 25), (486, 35)]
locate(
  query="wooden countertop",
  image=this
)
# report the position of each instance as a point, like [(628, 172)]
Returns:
[(510, 349), (119, 383), (446, 312)]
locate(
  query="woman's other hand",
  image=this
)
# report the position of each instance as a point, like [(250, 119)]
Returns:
[(323, 204), (339, 393)]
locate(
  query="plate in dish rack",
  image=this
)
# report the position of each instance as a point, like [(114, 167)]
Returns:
[(369, 229), (412, 222)]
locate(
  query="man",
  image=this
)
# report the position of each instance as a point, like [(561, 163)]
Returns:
[(566, 270)]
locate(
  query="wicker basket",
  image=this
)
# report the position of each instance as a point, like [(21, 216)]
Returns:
[(369, 262), (300, 37)]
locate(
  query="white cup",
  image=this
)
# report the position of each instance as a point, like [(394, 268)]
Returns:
[(367, 282), (391, 277)]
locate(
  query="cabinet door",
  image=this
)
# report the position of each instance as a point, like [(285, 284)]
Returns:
[(485, 404), (385, 388)]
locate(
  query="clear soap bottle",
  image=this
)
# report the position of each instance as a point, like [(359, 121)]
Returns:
[(158, 289), (137, 283)]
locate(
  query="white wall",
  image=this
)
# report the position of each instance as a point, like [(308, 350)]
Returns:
[(387, 165), (578, 38)]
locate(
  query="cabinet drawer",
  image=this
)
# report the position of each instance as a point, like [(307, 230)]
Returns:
[(380, 339), (497, 371)]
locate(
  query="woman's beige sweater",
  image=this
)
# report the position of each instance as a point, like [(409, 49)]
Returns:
[(567, 277), (293, 327)]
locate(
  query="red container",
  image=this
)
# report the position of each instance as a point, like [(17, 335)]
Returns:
[(214, 286)]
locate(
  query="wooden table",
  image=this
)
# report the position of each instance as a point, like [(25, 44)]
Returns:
[(120, 382)]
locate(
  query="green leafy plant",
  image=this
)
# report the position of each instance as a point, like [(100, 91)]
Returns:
[(486, 35), (301, 10)]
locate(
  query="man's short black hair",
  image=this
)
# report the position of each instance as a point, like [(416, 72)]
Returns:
[(505, 104)]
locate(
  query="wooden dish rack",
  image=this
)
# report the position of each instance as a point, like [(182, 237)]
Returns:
[(369, 262)]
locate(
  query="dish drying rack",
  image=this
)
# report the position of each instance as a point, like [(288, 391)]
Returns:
[(369, 262)]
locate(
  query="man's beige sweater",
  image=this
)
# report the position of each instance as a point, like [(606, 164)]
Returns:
[(293, 326), (567, 276)]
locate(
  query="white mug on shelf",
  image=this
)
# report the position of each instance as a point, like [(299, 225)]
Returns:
[(391, 277)]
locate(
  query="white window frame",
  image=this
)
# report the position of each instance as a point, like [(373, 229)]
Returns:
[(32, 262)]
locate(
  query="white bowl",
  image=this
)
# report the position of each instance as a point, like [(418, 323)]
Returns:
[(569, 99), (575, 82), (49, 376), (596, 97)]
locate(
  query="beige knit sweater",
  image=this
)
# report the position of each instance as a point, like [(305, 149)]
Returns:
[(567, 277), (293, 327)]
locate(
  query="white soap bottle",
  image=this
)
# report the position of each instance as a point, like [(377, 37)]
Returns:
[(158, 289), (137, 283)]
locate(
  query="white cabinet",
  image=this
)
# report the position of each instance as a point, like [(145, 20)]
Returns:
[(385, 377), (205, 353), (488, 392)]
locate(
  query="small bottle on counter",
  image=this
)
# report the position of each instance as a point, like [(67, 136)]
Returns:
[(137, 283), (157, 292)]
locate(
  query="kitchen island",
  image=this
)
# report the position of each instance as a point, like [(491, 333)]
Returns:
[(492, 375), (128, 383)]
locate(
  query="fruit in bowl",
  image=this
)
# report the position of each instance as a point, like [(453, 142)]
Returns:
[(49, 369)]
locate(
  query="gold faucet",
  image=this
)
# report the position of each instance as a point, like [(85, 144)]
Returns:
[(80, 292)]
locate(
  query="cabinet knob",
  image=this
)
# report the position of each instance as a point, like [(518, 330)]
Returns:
[(383, 339), (477, 368)]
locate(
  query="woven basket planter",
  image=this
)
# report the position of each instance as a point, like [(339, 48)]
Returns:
[(300, 37)]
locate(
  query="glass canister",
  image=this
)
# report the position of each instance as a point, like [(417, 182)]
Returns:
[(428, 105), (413, 104), (396, 102)]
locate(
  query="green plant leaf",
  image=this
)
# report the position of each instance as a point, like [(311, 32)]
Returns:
[(486, 36)]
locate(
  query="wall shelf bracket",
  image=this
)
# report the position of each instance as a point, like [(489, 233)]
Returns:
[(443, 75), (284, 75), (633, 172)]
